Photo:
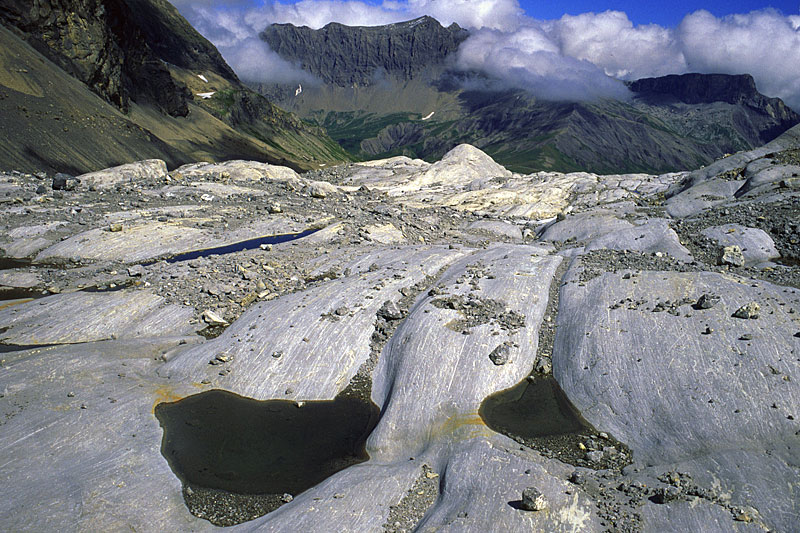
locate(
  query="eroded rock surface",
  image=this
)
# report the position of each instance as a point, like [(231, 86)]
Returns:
[(427, 288)]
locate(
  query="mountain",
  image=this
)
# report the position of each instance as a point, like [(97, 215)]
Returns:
[(358, 56), (102, 82), (391, 90)]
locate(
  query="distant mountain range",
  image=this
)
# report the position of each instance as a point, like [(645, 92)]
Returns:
[(96, 83), (85, 85), (391, 90)]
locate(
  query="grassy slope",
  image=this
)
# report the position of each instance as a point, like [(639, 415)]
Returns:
[(53, 122)]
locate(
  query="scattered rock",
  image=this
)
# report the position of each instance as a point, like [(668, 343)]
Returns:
[(666, 494), (750, 310), (732, 255), (502, 353), (706, 301), (533, 500), (65, 182), (213, 319), (390, 311)]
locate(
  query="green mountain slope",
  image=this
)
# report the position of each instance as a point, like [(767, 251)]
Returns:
[(125, 75)]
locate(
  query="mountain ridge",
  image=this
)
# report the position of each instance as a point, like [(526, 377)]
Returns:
[(670, 123)]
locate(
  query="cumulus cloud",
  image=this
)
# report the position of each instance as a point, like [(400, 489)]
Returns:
[(575, 57), (611, 41), (763, 43), (528, 59)]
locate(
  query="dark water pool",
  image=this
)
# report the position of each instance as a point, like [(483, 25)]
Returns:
[(8, 262), (532, 409), (538, 414), (250, 244), (227, 443)]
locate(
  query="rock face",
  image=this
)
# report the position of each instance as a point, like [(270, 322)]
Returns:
[(95, 41), (429, 288), (346, 55), (709, 88)]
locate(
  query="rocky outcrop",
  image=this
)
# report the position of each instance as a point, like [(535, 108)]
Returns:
[(737, 90), (709, 88), (348, 55), (96, 42)]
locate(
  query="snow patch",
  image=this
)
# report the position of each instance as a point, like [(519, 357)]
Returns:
[(429, 115), (299, 90), (206, 96), (202, 78)]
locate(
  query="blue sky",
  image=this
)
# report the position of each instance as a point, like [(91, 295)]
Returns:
[(662, 13)]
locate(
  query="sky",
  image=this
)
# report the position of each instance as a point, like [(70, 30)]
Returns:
[(663, 13), (576, 50)]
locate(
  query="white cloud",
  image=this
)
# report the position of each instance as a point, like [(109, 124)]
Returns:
[(611, 41), (573, 57), (764, 44), (528, 59)]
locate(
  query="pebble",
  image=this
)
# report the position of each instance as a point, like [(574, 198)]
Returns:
[(749, 311), (732, 255), (501, 354), (533, 500), (707, 301)]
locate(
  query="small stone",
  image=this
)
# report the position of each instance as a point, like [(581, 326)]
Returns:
[(224, 358), (750, 310), (707, 301), (390, 311), (578, 478), (286, 498), (41, 189), (277, 354), (666, 494), (114, 228), (743, 514), (543, 365), (213, 319), (64, 182), (594, 456), (70, 395), (501, 354), (136, 271), (732, 255), (317, 191), (533, 500), (746, 337), (274, 208), (341, 311), (266, 247)]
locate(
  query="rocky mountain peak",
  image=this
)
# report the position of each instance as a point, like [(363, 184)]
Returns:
[(360, 55), (700, 88)]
